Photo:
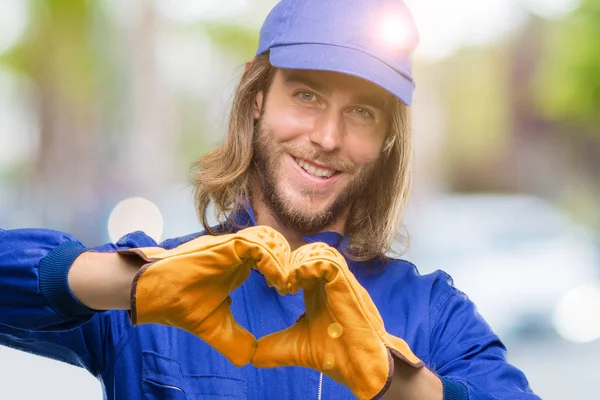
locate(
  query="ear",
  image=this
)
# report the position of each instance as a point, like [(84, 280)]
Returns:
[(258, 105)]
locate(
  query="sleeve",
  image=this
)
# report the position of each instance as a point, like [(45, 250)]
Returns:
[(38, 312), (468, 356)]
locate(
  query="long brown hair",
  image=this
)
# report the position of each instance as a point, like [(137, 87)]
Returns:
[(223, 176)]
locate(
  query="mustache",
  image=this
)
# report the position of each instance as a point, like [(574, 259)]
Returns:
[(327, 160), (262, 140)]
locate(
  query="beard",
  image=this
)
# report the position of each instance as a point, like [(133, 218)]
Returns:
[(266, 162)]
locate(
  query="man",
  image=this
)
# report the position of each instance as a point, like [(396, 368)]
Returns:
[(309, 184)]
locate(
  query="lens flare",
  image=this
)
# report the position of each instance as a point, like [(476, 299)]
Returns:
[(328, 361), (335, 330), (395, 32)]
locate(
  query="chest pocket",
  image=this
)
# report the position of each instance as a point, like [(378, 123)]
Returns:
[(162, 379)]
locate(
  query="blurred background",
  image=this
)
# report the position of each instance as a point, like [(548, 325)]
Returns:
[(106, 104)]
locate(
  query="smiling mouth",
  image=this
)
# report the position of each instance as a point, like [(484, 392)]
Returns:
[(317, 172)]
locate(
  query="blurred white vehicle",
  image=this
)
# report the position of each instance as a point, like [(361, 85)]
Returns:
[(515, 256)]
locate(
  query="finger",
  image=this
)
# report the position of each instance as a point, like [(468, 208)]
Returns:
[(307, 251), (309, 273), (269, 239), (224, 334), (304, 271), (325, 261), (271, 253), (275, 273), (328, 265), (288, 347), (325, 268)]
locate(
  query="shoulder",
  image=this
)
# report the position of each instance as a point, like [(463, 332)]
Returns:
[(397, 278), (397, 271)]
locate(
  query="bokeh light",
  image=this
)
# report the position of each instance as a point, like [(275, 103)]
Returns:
[(577, 314), (135, 214)]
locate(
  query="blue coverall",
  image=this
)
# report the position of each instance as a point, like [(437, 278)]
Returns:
[(39, 314)]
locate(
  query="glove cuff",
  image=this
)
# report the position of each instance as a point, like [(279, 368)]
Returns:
[(133, 317), (388, 381), (401, 350), (394, 354)]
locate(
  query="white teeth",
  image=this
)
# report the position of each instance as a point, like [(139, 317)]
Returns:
[(318, 172)]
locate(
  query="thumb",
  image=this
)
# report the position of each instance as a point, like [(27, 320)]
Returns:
[(289, 347), (225, 335)]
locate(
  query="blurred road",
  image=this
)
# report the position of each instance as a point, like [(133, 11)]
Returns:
[(557, 370)]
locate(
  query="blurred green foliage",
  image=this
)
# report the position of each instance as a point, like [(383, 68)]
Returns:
[(58, 47), (568, 84), (479, 117), (236, 40)]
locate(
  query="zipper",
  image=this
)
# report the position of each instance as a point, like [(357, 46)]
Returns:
[(320, 385)]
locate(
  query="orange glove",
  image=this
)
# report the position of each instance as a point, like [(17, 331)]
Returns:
[(341, 333), (188, 287)]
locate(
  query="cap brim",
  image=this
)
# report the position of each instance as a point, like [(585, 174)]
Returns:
[(323, 57)]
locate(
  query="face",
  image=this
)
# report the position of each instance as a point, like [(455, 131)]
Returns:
[(319, 137)]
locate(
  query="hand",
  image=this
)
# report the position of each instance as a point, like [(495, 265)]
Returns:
[(188, 287), (341, 333)]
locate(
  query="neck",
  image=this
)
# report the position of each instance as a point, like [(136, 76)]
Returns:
[(264, 216)]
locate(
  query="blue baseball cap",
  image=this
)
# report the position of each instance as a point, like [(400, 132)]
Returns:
[(370, 39)]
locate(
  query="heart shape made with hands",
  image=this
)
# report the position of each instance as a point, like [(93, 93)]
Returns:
[(341, 333)]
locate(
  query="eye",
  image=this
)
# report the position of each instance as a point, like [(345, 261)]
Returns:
[(362, 112), (306, 96)]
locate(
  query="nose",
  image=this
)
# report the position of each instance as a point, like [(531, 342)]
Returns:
[(328, 132)]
